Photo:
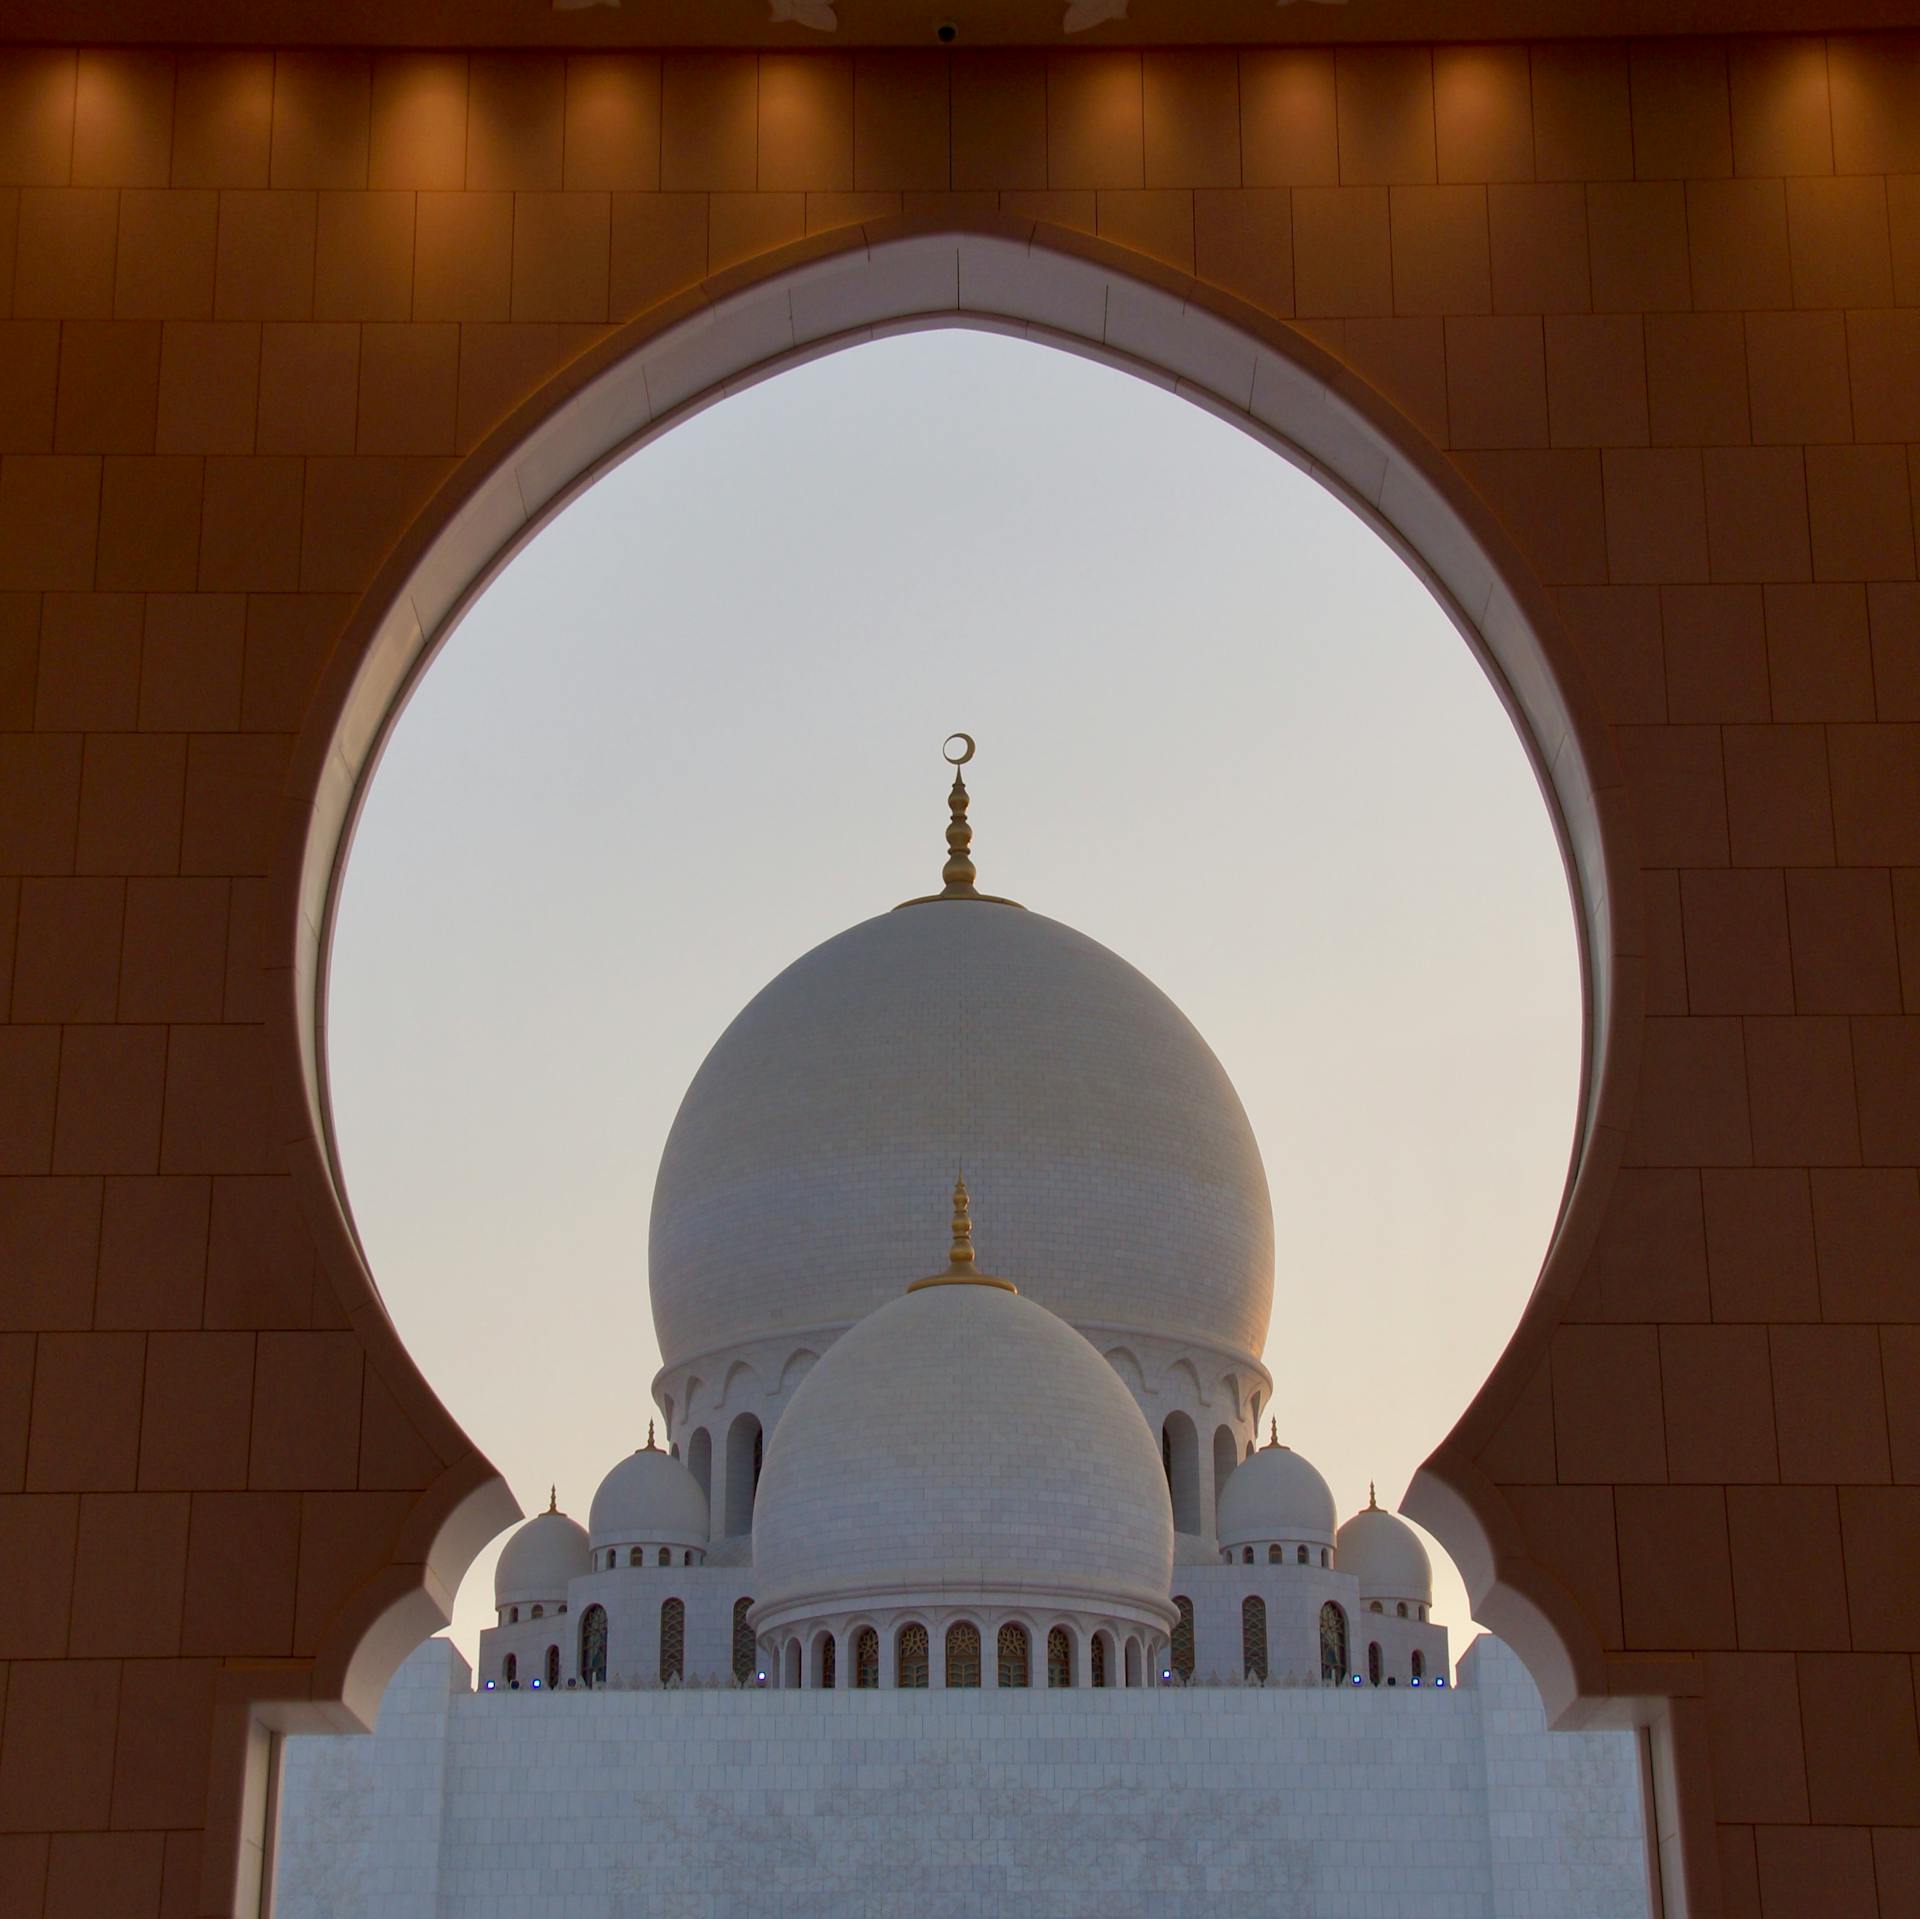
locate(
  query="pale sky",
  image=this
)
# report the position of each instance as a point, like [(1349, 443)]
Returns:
[(694, 730)]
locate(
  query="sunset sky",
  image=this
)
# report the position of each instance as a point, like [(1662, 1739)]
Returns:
[(695, 729)]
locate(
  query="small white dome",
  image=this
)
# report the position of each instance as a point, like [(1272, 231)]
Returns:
[(1385, 1554), (1275, 1495), (649, 1499), (959, 1443), (539, 1560)]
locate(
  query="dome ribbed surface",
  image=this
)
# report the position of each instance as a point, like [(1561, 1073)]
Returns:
[(1117, 1178)]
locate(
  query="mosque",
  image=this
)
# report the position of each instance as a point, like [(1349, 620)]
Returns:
[(1033, 1476)]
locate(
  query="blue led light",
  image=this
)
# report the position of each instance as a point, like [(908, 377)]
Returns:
[(536, 1685)]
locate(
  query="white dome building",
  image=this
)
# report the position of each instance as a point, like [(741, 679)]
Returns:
[(1384, 1555), (987, 1489), (538, 1564), (1276, 1507), (1127, 1189), (648, 1509), (963, 1470)]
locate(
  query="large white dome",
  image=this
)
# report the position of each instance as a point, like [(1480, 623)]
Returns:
[(959, 1442), (1123, 1188)]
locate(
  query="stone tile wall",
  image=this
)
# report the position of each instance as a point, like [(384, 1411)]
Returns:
[(1333, 1805), (1655, 302)]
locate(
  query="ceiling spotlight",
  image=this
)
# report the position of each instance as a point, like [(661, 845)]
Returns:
[(817, 14), (1082, 14)]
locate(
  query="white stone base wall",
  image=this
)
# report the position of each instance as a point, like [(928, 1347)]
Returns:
[(698, 1804)]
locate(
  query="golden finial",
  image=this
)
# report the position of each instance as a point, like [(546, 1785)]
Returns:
[(958, 874), (1273, 1434), (961, 1270), (650, 1446), (553, 1499), (1373, 1505), (960, 1253)]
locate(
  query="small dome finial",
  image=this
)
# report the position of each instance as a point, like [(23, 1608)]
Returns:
[(1373, 1505), (958, 875), (553, 1499), (961, 1270), (650, 1446), (960, 1253), (1273, 1434)]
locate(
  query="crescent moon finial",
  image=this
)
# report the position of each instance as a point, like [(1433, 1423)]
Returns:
[(957, 759)]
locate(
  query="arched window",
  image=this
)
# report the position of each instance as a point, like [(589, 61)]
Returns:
[(510, 1669), (1246, 1555), (1253, 1636), (1333, 1645), (1423, 1614), (673, 1640), (866, 1660), (537, 1611), (1401, 1609), (665, 1557), (1135, 1672), (790, 1666), (513, 1615), (744, 1448), (1273, 1555), (1373, 1663), (1099, 1659), (1323, 1555), (1180, 1455), (1300, 1555), (912, 1651), (743, 1666), (686, 1558), (593, 1646), (1059, 1657), (553, 1668), (1013, 1655), (1418, 1665), (1225, 1458), (700, 1463), (635, 1557), (1183, 1637), (1375, 1606), (963, 1655), (825, 1663)]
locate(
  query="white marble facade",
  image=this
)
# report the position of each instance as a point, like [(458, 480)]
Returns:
[(702, 1803)]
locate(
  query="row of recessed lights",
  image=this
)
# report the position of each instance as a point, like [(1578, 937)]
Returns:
[(820, 17)]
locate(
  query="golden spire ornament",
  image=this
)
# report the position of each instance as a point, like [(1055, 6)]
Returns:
[(1273, 1434), (650, 1446), (553, 1499), (961, 1270), (958, 874), (1373, 1505)]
